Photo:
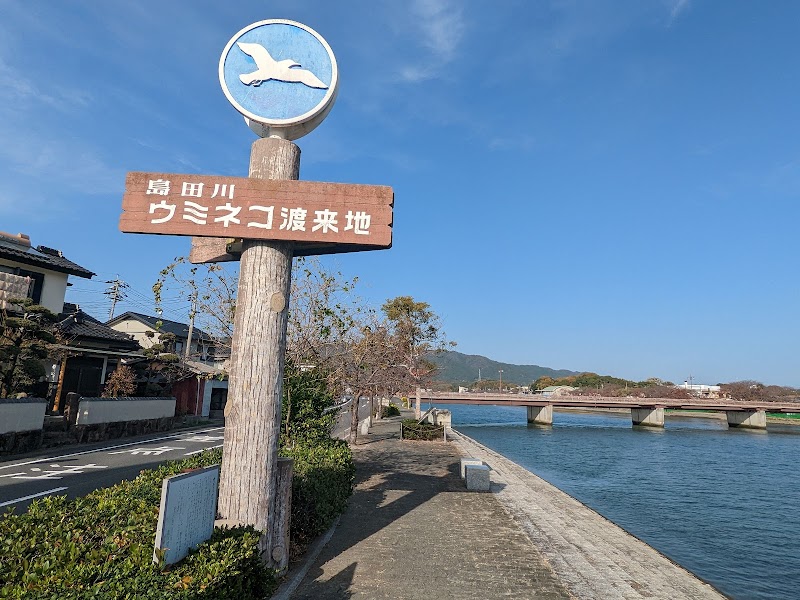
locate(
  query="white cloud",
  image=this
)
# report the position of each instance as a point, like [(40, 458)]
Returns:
[(442, 24), (521, 142), (439, 27), (18, 91), (416, 74), (677, 8)]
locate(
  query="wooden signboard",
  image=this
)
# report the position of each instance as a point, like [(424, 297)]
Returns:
[(318, 217)]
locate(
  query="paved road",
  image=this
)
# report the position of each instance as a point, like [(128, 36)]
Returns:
[(341, 429), (79, 469)]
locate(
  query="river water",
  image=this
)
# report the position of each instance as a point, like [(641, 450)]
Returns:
[(723, 504)]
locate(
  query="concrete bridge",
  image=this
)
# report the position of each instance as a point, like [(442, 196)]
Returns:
[(648, 412)]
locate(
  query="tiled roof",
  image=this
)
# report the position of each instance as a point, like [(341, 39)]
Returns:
[(79, 325), (179, 329), (43, 257)]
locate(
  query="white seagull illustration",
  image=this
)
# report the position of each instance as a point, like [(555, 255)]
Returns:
[(280, 70)]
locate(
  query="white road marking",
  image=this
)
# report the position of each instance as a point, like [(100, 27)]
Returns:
[(13, 474), (45, 493), (148, 451), (51, 474), (202, 438), (140, 442), (203, 450)]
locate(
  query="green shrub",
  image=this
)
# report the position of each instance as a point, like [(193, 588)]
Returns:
[(390, 411), (421, 431), (306, 406), (322, 483), (101, 546)]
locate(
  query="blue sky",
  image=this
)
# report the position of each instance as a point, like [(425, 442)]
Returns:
[(604, 186)]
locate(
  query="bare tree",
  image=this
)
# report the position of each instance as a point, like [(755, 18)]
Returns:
[(210, 293)]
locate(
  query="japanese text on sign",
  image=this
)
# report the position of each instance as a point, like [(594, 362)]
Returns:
[(317, 217), (262, 217)]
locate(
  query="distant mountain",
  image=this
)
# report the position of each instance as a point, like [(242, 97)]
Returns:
[(458, 368)]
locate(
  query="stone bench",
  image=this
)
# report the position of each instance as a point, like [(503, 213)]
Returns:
[(468, 461), (477, 478)]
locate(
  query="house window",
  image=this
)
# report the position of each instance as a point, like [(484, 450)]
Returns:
[(37, 283)]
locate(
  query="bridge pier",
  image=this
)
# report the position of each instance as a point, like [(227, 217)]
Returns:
[(747, 419), (647, 416), (540, 415)]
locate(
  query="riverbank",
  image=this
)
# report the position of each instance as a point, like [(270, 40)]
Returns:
[(592, 556), (412, 531)]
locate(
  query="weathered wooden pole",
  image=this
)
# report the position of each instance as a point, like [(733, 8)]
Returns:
[(252, 414), (282, 518)]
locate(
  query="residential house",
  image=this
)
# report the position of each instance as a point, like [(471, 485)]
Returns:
[(147, 330), (42, 274), (205, 390), (39, 273), (91, 351)]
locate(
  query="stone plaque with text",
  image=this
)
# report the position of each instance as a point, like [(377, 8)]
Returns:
[(188, 510)]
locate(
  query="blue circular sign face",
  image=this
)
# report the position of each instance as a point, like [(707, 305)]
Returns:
[(281, 74)]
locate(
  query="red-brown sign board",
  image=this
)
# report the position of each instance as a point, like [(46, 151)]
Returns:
[(319, 217)]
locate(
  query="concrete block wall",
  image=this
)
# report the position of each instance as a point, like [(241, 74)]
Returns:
[(93, 411), (22, 414)]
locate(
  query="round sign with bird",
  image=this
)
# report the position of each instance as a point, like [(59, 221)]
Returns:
[(281, 75)]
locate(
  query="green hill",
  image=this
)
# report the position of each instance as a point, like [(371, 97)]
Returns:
[(462, 369)]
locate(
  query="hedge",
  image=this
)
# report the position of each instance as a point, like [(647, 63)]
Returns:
[(101, 545), (323, 481), (411, 430), (390, 411)]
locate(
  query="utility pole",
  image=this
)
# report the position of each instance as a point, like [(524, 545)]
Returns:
[(115, 292), (192, 312), (501, 380)]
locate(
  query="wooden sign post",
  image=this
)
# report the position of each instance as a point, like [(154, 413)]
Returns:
[(275, 217)]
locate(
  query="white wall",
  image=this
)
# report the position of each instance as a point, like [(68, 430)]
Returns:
[(211, 384), (111, 410), (138, 330), (22, 416), (53, 290)]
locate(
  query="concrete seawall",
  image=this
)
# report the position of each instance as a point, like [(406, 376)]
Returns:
[(592, 556)]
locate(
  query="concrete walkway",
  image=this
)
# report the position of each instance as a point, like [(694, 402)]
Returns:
[(411, 531)]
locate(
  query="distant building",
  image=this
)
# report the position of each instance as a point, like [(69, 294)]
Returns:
[(556, 390), (701, 390)]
